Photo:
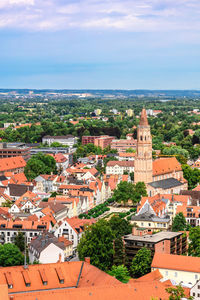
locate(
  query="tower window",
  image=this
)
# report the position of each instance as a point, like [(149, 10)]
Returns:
[(141, 138)]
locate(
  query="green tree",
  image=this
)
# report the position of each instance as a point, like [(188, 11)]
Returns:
[(179, 223), (39, 164), (191, 175), (141, 263), (177, 293), (119, 226), (119, 256), (130, 150), (20, 241), (10, 255), (120, 273), (97, 243), (194, 245)]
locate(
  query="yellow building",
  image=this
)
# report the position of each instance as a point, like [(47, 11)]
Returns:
[(129, 112)]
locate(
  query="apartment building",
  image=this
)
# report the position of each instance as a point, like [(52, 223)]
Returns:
[(119, 167), (161, 242)]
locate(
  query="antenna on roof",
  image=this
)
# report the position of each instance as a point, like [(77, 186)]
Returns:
[(25, 258)]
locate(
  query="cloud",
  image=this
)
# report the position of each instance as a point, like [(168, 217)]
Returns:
[(124, 15)]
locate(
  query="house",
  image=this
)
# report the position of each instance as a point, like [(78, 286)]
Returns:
[(72, 229), (60, 211), (9, 229), (126, 156), (62, 161), (181, 269), (12, 164), (123, 145), (67, 140), (119, 167), (195, 290), (151, 221), (45, 183), (46, 248), (191, 214)]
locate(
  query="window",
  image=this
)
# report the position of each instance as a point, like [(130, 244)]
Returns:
[(199, 287), (149, 224), (175, 274), (193, 294), (196, 276), (166, 273)]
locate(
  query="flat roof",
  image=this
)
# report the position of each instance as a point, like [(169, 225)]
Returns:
[(153, 238)]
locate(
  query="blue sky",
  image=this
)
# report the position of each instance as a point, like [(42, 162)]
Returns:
[(125, 44)]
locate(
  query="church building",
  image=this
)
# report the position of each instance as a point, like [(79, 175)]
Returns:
[(163, 175)]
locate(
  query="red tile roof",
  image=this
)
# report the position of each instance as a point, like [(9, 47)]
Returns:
[(166, 165), (176, 262), (12, 163), (113, 163)]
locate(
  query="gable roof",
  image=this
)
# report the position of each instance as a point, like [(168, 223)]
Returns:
[(166, 165), (123, 163), (176, 262), (12, 163)]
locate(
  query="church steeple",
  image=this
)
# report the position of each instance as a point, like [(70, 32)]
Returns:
[(143, 118), (143, 160)]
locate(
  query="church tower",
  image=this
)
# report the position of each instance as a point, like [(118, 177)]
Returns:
[(143, 160)]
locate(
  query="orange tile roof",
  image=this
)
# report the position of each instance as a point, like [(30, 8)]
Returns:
[(124, 154), (65, 241), (25, 224), (91, 276), (176, 262), (122, 163), (197, 188), (76, 223), (183, 208), (12, 163), (166, 165)]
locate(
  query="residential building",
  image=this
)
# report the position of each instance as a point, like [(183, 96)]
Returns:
[(126, 156), (102, 141), (13, 150), (181, 269), (191, 214), (67, 140), (9, 229), (151, 221), (119, 167), (129, 112), (195, 291), (123, 145), (46, 248), (12, 164), (161, 242), (72, 229)]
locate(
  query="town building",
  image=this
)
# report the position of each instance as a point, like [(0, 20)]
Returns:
[(102, 141), (181, 269), (123, 145), (126, 156), (46, 248), (161, 242), (119, 167), (13, 150), (12, 164), (151, 221), (72, 229), (9, 229), (67, 140)]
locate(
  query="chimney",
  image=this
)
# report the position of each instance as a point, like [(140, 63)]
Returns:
[(60, 258), (87, 260), (134, 231)]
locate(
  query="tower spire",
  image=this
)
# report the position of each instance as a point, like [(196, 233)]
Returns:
[(143, 118)]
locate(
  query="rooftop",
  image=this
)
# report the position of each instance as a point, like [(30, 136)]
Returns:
[(153, 238), (166, 183)]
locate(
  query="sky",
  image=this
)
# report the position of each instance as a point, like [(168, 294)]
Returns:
[(100, 44)]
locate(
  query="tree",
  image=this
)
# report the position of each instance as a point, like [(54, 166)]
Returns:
[(120, 273), (10, 255), (39, 164), (194, 245), (20, 241), (119, 256), (130, 150), (177, 293), (119, 226), (97, 243), (191, 175), (141, 263), (179, 223)]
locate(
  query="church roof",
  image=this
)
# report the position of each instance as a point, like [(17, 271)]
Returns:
[(166, 183), (166, 165), (143, 118)]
